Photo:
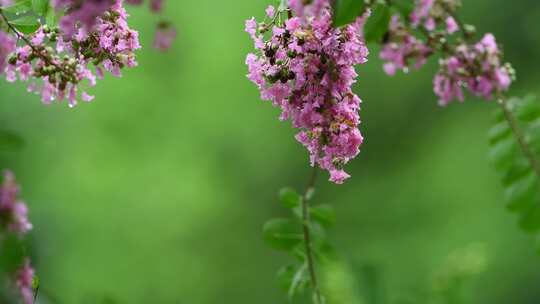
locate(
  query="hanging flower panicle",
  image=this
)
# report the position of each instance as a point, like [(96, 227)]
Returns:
[(25, 282), (57, 64), (305, 66), (13, 211), (477, 67)]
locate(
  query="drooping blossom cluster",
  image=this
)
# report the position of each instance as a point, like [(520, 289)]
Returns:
[(25, 282), (57, 64), (13, 211), (81, 15), (14, 220), (401, 48), (7, 46), (477, 67), (165, 36), (430, 13), (305, 66)]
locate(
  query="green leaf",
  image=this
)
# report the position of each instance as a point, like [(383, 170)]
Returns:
[(519, 169), (51, 19), (499, 131), (403, 7), (40, 7), (346, 11), (289, 198), (26, 24), (324, 215), (293, 279), (530, 220), (521, 194), (528, 109), (521, 182), (10, 141), (502, 153), (282, 234), (19, 7), (377, 24), (532, 137)]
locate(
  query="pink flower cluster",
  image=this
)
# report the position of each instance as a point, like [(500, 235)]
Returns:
[(165, 36), (305, 66), (430, 13), (7, 46), (477, 68), (13, 212), (81, 15), (25, 282), (401, 48), (58, 73)]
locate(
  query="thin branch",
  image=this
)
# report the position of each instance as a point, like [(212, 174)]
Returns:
[(30, 44), (524, 146), (317, 298)]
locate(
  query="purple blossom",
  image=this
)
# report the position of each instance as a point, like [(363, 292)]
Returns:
[(451, 25), (13, 212), (7, 46), (81, 15), (402, 48), (25, 281), (60, 73), (165, 36), (306, 68), (477, 68)]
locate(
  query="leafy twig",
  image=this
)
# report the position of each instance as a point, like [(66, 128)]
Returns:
[(520, 137), (306, 221)]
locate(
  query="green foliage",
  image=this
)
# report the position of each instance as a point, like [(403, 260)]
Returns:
[(346, 11), (324, 215), (293, 279), (28, 15), (403, 7), (289, 198), (26, 24), (282, 234), (19, 7), (514, 150), (40, 7), (287, 234), (377, 23)]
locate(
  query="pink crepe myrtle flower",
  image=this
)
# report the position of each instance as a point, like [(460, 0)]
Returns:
[(7, 46), (401, 48), (25, 282), (451, 25), (13, 212), (165, 36), (58, 64), (306, 68), (477, 68), (431, 13)]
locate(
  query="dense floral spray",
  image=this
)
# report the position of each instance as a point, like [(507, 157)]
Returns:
[(305, 66)]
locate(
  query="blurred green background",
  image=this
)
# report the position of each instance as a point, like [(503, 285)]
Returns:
[(156, 191)]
